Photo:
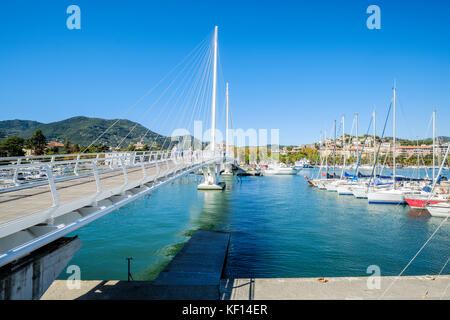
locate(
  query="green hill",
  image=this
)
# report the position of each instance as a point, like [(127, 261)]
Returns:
[(17, 127), (84, 130)]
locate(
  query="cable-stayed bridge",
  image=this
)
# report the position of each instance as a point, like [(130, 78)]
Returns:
[(43, 198), (65, 192)]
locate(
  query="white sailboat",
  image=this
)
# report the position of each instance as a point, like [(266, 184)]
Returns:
[(390, 196), (439, 209)]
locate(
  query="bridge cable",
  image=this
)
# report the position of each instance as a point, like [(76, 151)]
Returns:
[(145, 95)]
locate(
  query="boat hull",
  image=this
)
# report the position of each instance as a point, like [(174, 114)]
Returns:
[(280, 172), (344, 191), (360, 193), (386, 197), (441, 210), (420, 203)]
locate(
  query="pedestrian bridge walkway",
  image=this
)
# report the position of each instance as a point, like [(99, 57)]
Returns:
[(43, 198)]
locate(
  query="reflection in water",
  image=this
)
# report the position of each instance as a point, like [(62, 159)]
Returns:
[(420, 214)]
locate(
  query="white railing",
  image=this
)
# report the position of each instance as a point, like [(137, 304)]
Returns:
[(51, 186), (30, 171)]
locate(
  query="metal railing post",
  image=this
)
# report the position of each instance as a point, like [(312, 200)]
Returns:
[(16, 173), (96, 176), (124, 169), (167, 163), (75, 170), (51, 182), (144, 173), (158, 170)]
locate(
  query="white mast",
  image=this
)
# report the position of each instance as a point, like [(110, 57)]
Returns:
[(226, 129), (213, 116), (356, 119), (326, 152), (434, 143), (374, 138), (395, 184), (320, 156), (334, 151), (343, 146)]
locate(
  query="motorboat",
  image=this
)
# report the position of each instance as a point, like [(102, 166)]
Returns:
[(279, 169), (303, 163)]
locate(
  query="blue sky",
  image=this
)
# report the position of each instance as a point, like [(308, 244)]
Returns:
[(292, 65)]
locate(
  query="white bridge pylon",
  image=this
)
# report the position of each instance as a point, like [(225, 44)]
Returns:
[(211, 172)]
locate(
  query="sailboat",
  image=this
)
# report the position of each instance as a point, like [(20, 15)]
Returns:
[(389, 196), (439, 209), (419, 201), (331, 183)]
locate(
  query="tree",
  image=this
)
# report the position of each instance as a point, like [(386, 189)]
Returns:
[(156, 147), (75, 148), (131, 147), (12, 146), (52, 150), (97, 148), (66, 148), (37, 142)]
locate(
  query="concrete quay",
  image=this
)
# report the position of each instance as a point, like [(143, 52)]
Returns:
[(342, 288), (339, 288)]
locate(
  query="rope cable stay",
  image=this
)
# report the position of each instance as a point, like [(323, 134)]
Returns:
[(414, 257), (197, 58), (379, 147), (138, 101)]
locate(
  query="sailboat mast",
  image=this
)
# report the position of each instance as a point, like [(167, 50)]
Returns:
[(343, 146), (226, 129), (213, 116), (374, 136), (326, 152), (418, 159), (334, 150), (394, 149), (319, 156), (434, 144)]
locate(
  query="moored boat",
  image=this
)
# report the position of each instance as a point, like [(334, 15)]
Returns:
[(439, 209), (391, 196), (279, 169), (419, 201)]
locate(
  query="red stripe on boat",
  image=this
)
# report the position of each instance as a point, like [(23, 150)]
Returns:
[(419, 203)]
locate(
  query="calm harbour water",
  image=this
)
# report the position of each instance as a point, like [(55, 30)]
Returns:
[(280, 227)]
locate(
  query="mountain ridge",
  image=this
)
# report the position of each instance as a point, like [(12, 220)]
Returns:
[(84, 130)]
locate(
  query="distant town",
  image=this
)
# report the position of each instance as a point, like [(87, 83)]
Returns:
[(407, 152)]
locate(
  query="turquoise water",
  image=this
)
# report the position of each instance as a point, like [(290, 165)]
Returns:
[(280, 227)]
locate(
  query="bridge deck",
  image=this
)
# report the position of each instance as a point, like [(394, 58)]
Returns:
[(19, 203), (44, 198)]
